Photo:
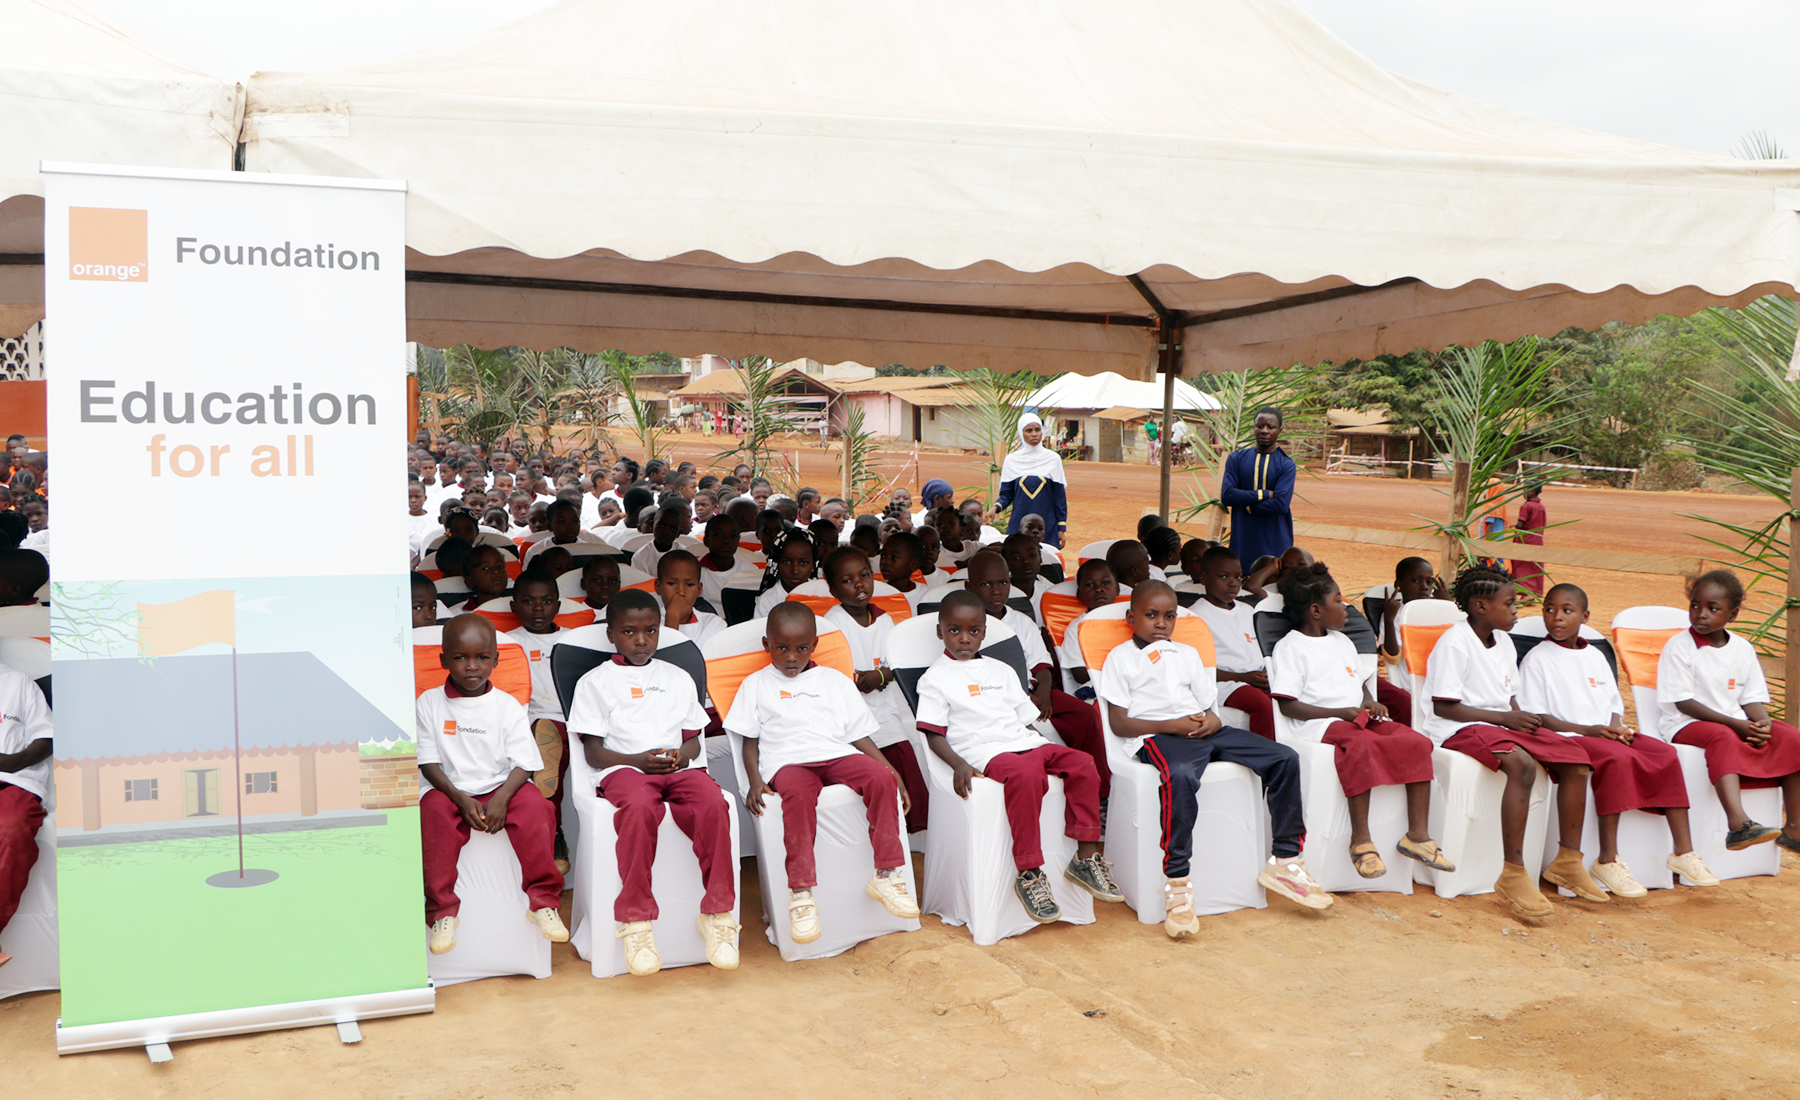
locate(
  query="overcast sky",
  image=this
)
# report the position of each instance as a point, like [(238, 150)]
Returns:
[(1699, 73)]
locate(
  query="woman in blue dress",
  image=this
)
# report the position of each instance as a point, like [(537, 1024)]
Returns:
[(1032, 482)]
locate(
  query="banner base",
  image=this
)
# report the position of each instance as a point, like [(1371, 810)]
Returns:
[(162, 1030)]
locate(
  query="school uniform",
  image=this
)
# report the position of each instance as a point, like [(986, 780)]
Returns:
[(1463, 670), (1069, 658), (1165, 680), (643, 708), (1574, 683), (714, 582), (1076, 722), (804, 727), (981, 709), (649, 557), (544, 712), (777, 593), (893, 718), (24, 717), (1724, 678), (699, 626), (952, 560), (478, 740), (1235, 649), (1323, 672)]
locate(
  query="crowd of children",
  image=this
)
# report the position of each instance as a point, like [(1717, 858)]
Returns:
[(25, 720), (670, 548)]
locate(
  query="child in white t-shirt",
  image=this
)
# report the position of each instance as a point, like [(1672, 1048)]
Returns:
[(476, 752), (977, 718), (678, 590), (25, 747), (640, 722), (805, 728), (1240, 665), (1095, 587), (535, 603)]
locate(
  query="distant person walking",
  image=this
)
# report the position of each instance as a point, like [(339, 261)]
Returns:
[(1529, 530), (1258, 487)]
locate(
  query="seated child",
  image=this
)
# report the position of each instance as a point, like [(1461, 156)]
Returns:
[(1414, 579), (677, 590), (1239, 657), (1130, 563), (1568, 682), (1096, 587), (565, 528), (930, 551), (824, 535), (640, 724), (599, 584), (25, 747), (804, 726), (672, 521), (484, 571), (1472, 681), (706, 505), (535, 601), (1712, 694), (953, 549), (1024, 559), (555, 560), (866, 537), (768, 527), (1076, 722), (1034, 526), (900, 557), (720, 565), (1267, 573), (792, 563), (977, 718), (1316, 678), (1192, 553), (1160, 696), (480, 779), (424, 601), (1163, 545), (866, 627)]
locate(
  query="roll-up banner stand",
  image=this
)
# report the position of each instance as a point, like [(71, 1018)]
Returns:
[(230, 624)]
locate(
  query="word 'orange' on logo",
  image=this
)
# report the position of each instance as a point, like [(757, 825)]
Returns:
[(110, 246)]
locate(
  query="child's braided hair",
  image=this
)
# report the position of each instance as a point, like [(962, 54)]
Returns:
[(1479, 582), (1303, 587)]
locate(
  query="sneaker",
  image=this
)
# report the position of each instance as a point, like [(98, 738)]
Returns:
[(721, 935), (1180, 920), (1618, 880), (803, 917), (443, 934), (1093, 874), (1426, 852), (1519, 891), (550, 924), (1689, 866), (1289, 878), (1566, 871), (1791, 843), (891, 892), (640, 948), (1749, 834), (1033, 888)]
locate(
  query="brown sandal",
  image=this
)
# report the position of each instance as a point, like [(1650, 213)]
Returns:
[(1368, 860)]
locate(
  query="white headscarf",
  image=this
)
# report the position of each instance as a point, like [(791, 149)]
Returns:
[(1031, 458)]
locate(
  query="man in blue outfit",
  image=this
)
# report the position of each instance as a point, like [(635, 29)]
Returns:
[(1259, 488)]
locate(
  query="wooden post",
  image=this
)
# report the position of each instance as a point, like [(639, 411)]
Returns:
[(1459, 511), (1168, 422), (844, 461), (1791, 646), (1215, 527)]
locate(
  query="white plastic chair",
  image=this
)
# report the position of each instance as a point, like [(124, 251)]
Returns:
[(841, 848), (969, 868), (1231, 830), (1465, 796), (30, 620), (593, 844), (31, 936), (496, 938), (1639, 634), (816, 594), (1094, 550)]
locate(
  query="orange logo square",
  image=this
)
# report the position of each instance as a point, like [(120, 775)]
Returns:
[(1155, 657), (449, 727), (537, 654), (637, 693), (1731, 684), (785, 695), (1350, 672), (974, 689), (111, 246)]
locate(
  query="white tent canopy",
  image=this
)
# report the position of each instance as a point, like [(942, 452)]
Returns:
[(1014, 183), (1107, 390), (74, 87)]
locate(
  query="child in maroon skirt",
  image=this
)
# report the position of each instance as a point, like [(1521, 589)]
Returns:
[(1712, 694), (1471, 706), (1315, 679), (1571, 686)]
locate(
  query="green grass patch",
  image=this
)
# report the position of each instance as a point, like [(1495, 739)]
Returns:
[(143, 935), (393, 748)]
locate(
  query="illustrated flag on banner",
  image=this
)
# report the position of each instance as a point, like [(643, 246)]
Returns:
[(165, 628)]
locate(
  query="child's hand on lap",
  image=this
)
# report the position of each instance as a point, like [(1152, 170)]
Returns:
[(753, 801), (495, 813), (657, 762), (1520, 721), (1375, 711), (471, 812), (1755, 734), (964, 780), (868, 681)]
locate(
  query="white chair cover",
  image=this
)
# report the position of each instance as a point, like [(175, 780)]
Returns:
[(31, 936), (496, 937)]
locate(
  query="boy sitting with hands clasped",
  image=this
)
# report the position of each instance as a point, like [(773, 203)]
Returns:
[(477, 752), (805, 727), (976, 716)]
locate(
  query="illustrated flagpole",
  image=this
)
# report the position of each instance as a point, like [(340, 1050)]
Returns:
[(237, 760)]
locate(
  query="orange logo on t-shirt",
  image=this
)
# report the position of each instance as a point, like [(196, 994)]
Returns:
[(974, 689), (1350, 672), (537, 654), (1731, 684), (449, 727), (1155, 657), (637, 693), (785, 695), (1593, 683), (1248, 638)]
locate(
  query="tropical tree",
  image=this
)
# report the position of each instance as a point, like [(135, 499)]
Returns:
[(768, 417), (639, 417), (860, 480)]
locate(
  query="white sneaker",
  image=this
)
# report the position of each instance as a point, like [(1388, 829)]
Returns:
[(1689, 866), (1181, 920), (550, 924), (891, 892), (803, 919), (640, 948), (720, 933), (443, 934), (1618, 879), (1289, 878)]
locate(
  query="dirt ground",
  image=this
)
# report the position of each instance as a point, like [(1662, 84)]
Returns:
[(1687, 993)]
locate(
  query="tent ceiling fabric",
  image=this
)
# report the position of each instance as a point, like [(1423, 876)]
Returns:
[(1013, 154)]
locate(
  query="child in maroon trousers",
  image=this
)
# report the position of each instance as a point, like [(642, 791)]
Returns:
[(1712, 694), (976, 716), (477, 752), (25, 747), (806, 726), (640, 723), (1569, 683)]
